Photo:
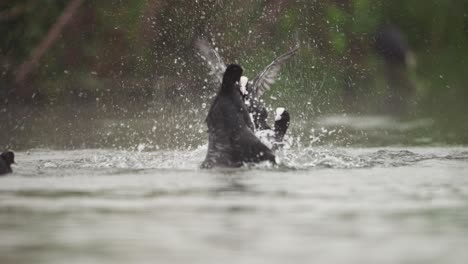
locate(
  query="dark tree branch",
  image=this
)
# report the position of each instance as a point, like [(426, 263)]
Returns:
[(54, 33), (12, 13)]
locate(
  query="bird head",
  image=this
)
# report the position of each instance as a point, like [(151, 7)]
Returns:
[(8, 157)]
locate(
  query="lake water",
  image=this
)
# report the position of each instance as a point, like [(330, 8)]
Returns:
[(323, 205)]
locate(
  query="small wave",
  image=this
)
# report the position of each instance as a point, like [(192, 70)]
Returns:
[(354, 158), (289, 159)]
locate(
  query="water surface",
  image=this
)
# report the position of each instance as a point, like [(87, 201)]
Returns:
[(323, 205)]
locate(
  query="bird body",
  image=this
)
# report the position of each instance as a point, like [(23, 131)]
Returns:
[(231, 138), (252, 90), (6, 159)]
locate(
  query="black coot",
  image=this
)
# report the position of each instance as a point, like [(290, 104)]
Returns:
[(231, 138), (6, 159), (282, 119), (251, 90)]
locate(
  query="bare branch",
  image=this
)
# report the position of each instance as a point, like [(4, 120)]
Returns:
[(27, 67)]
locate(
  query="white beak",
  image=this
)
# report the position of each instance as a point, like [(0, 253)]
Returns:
[(243, 85), (279, 111)]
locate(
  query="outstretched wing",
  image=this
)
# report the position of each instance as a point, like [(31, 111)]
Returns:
[(212, 58), (267, 77)]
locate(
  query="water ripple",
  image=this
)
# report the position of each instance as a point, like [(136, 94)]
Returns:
[(290, 159)]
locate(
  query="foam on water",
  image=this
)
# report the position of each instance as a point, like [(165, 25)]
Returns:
[(293, 158)]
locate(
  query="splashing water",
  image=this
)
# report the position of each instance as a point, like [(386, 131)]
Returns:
[(137, 206), (293, 158)]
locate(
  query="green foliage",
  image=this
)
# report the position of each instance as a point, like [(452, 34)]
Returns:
[(132, 43)]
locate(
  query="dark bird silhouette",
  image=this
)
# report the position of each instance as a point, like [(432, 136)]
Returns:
[(275, 138), (231, 138), (391, 44), (251, 90), (6, 159), (281, 124)]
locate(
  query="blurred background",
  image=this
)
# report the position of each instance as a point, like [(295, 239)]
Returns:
[(126, 75)]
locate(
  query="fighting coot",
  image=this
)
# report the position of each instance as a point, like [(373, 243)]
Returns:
[(251, 91), (231, 138)]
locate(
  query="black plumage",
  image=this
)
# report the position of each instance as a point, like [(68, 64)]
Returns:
[(392, 45), (231, 138), (251, 90), (6, 159), (281, 124)]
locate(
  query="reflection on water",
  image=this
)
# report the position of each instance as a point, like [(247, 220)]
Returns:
[(329, 205)]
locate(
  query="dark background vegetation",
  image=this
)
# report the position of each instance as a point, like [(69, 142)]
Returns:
[(120, 73)]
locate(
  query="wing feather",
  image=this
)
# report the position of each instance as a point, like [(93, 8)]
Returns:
[(268, 76), (212, 59)]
